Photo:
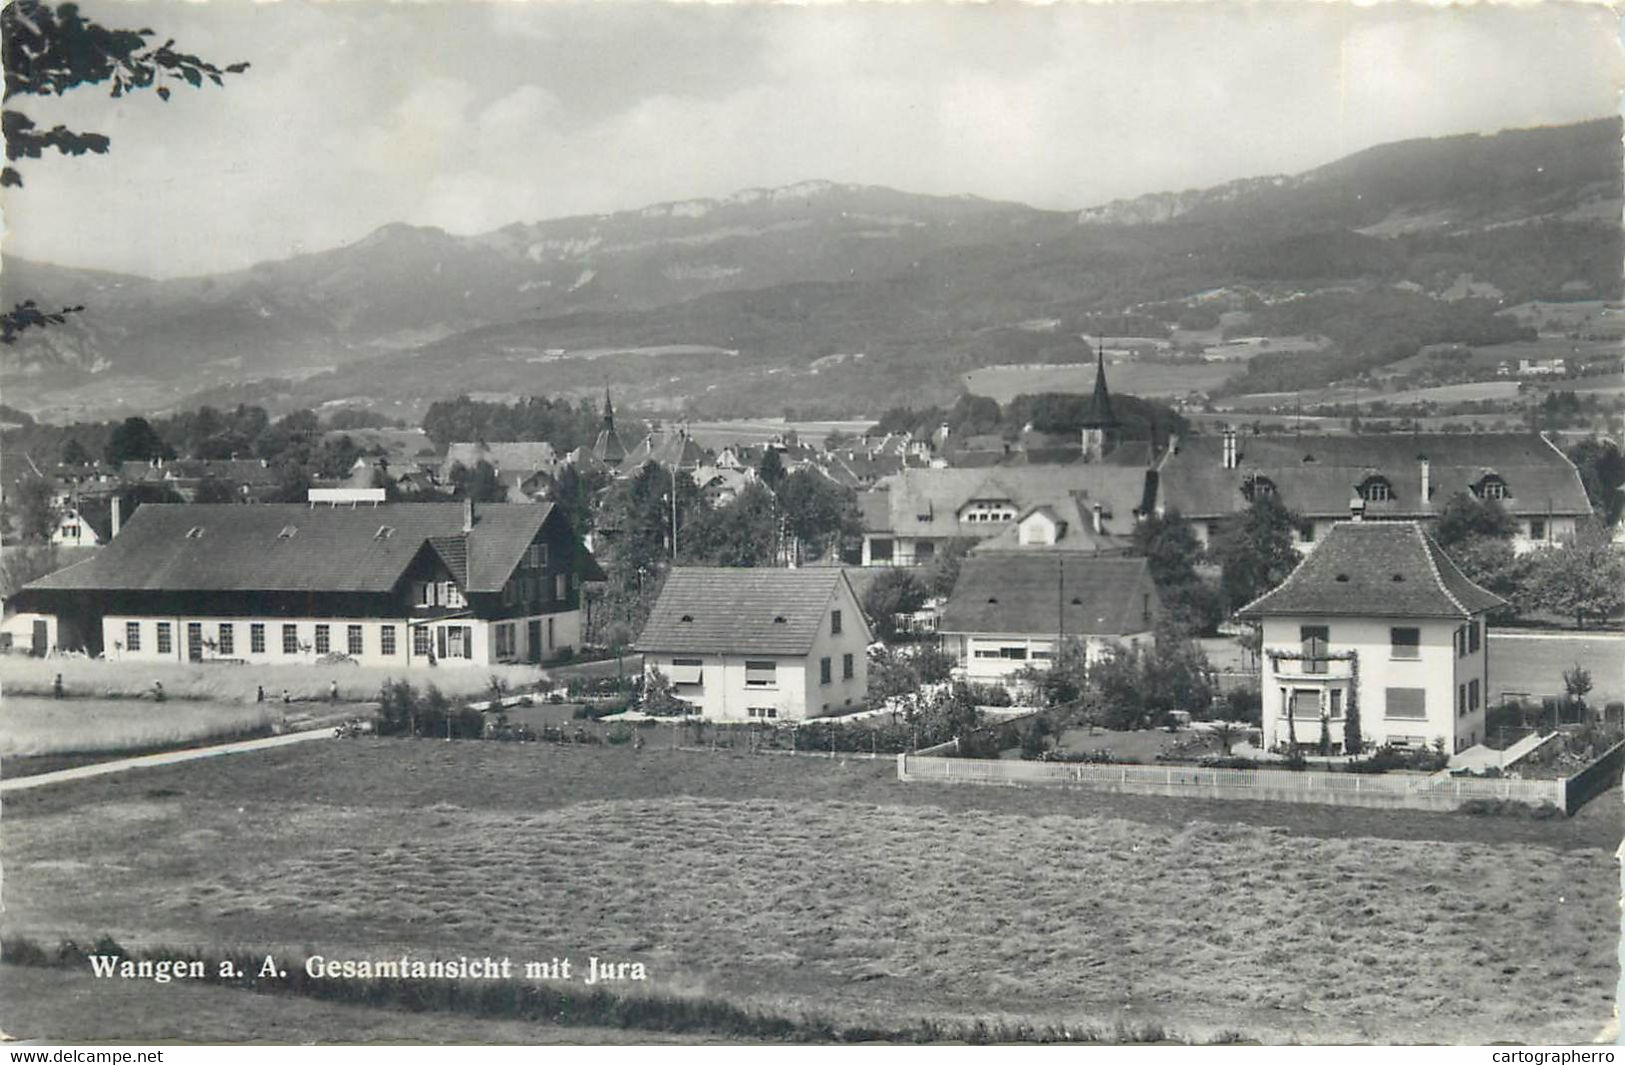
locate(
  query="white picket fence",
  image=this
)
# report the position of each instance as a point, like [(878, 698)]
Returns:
[(1397, 789)]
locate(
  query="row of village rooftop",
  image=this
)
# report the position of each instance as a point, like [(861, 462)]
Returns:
[(1376, 612)]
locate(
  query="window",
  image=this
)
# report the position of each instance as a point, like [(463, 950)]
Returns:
[(536, 556), (1017, 653), (164, 643), (1307, 533), (449, 595), (1337, 702), (1472, 637), (420, 640), (1305, 703), (1537, 529), (423, 593), (880, 550), (834, 622), (256, 638), (561, 587), (290, 639), (1376, 490), (687, 671), (1405, 643), (324, 639), (1472, 697), (132, 635), (924, 551), (1461, 700), (823, 671), (1495, 488), (386, 639), (761, 673), (352, 639), (846, 667), (228, 639), (1409, 703), (504, 640), (1314, 639), (763, 711)]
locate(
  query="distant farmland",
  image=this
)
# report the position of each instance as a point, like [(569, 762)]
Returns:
[(1003, 383)]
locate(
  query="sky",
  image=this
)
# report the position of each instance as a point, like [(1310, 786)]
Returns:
[(472, 115)]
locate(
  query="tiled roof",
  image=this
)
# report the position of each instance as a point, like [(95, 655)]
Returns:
[(1383, 569), (525, 456), (1040, 591), (927, 502), (1316, 475), (742, 611), (296, 547)]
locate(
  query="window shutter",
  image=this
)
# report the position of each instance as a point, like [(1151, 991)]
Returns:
[(440, 643)]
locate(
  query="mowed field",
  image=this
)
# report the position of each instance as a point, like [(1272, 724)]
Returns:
[(790, 885)]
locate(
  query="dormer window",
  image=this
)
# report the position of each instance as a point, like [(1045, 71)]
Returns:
[(287, 532), (384, 532), (1376, 490), (195, 532), (1258, 488), (1491, 487)]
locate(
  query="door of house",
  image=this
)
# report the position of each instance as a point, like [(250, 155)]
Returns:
[(41, 639), (533, 639), (194, 641)]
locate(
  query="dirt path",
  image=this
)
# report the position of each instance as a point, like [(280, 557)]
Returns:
[(166, 758)]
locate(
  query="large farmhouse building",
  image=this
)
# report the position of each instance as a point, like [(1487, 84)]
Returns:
[(402, 584), (1326, 478), (1376, 617), (760, 644)]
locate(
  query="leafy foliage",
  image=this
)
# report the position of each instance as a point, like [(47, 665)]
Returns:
[(895, 591), (1254, 551), (1584, 578)]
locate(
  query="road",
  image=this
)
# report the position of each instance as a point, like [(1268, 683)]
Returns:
[(166, 758)]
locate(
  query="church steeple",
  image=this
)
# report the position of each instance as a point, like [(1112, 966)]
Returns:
[(609, 412), (1099, 422), (608, 448)]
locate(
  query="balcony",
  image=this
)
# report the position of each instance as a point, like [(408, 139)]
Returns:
[(1293, 665)]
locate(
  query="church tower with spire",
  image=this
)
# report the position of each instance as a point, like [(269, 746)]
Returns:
[(1100, 426), (608, 448)]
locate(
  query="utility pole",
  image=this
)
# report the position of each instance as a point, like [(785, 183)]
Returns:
[(674, 514)]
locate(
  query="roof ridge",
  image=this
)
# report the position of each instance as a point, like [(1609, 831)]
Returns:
[(1433, 568)]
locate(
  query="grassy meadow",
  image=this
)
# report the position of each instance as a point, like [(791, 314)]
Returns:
[(788, 885), (105, 679), (33, 727)]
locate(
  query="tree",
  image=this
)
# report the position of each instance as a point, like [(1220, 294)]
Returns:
[(75, 454), (1353, 740), (1602, 471), (744, 532), (1170, 548), (1577, 683), (1585, 577), (1067, 678), (1465, 518), (36, 514), (942, 572), (1254, 551), (480, 484), (770, 471), (660, 699), (24, 563), (895, 591), (820, 514), (136, 440), (49, 51)]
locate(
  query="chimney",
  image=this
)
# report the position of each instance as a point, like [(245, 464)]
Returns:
[(118, 515), (1099, 525), (1356, 508), (1427, 479), (468, 515), (1229, 438)]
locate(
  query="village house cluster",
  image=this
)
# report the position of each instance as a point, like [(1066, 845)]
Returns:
[(1050, 519)]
